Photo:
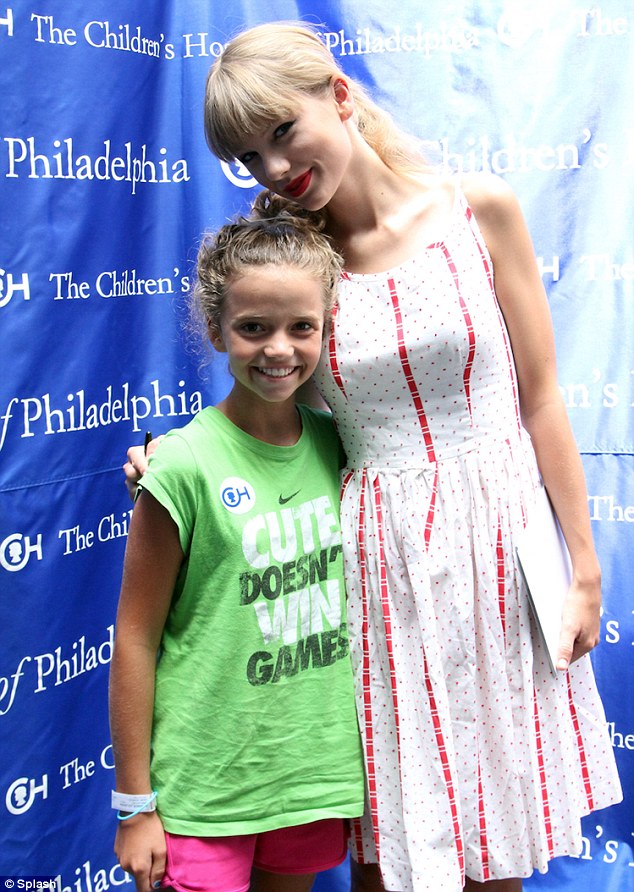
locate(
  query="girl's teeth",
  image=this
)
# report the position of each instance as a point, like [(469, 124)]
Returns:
[(277, 373)]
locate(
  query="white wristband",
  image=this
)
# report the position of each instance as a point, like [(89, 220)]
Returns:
[(132, 803)]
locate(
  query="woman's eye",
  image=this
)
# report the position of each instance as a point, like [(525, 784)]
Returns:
[(282, 129)]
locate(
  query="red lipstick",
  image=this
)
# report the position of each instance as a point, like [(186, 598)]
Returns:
[(299, 185)]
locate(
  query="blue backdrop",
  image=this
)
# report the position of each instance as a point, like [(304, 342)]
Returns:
[(105, 186)]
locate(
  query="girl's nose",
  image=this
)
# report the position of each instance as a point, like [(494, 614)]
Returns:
[(278, 347)]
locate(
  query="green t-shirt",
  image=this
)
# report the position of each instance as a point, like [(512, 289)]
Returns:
[(254, 718)]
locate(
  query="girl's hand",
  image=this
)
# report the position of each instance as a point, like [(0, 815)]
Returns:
[(581, 622), (140, 847), (137, 464)]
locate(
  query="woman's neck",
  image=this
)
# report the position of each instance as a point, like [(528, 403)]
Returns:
[(365, 195), (379, 218)]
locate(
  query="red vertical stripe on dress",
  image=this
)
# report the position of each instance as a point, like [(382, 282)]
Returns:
[(431, 511), (355, 823), (440, 740), (387, 619), (581, 747), (466, 372), (332, 352), (357, 835), (485, 261), (484, 845), (548, 827), (446, 768), (344, 484), (501, 587), (365, 670), (433, 708), (407, 370)]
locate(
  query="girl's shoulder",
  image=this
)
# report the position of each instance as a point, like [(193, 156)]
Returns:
[(319, 420), (180, 445)]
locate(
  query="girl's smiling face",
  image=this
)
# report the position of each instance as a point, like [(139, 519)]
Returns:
[(304, 158), (271, 327)]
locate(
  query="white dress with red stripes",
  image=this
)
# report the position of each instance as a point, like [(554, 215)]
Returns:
[(479, 762)]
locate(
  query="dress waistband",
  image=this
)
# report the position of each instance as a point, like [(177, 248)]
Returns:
[(399, 462)]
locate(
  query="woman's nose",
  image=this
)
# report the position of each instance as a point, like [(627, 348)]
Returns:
[(276, 166)]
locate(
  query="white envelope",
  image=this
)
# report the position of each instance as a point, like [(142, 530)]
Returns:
[(547, 571)]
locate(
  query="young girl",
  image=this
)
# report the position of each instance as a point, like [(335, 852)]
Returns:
[(440, 372), (237, 753)]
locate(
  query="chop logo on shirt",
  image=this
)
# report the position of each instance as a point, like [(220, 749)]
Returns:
[(237, 495)]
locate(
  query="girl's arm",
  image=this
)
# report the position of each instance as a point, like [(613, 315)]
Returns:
[(525, 307), (152, 560)]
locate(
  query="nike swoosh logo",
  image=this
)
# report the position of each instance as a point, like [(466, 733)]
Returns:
[(283, 501)]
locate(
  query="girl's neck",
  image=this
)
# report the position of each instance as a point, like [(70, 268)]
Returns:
[(276, 423)]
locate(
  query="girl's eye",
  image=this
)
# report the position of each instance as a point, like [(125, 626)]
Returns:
[(247, 158), (251, 327), (282, 129)]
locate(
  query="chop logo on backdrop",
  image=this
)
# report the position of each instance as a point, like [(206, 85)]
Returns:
[(16, 551), (516, 27), (22, 794), (237, 174), (11, 283)]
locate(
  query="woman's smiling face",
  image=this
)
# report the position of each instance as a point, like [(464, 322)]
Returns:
[(304, 157)]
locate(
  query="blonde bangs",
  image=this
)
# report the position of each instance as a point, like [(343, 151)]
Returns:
[(257, 81), (241, 104)]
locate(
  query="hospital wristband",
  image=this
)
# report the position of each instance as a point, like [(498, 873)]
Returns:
[(134, 804)]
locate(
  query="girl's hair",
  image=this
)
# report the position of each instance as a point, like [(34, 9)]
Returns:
[(255, 81), (272, 234)]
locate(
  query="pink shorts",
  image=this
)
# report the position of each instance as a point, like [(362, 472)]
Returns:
[(223, 863)]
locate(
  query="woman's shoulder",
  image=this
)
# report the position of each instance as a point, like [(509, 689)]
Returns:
[(489, 196), (496, 210)]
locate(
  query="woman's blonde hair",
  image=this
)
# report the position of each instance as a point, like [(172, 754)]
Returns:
[(271, 235), (255, 81)]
